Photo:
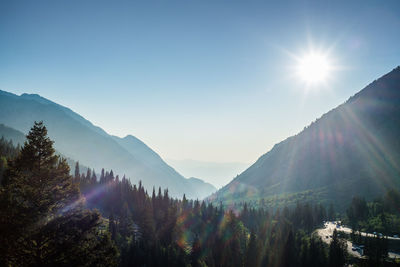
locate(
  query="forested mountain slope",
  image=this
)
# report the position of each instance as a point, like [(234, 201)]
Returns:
[(9, 133), (352, 150), (77, 138)]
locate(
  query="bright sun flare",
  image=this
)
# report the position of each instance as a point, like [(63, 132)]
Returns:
[(313, 68)]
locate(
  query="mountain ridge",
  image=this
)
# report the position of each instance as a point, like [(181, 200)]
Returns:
[(77, 138), (354, 143)]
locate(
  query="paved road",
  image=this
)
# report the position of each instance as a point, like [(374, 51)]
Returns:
[(326, 233), (348, 231)]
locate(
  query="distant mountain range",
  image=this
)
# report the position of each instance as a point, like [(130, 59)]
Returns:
[(18, 138), (352, 150), (78, 139), (216, 173)]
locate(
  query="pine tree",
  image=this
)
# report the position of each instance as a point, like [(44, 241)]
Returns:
[(289, 252), (147, 222), (331, 212), (376, 249), (3, 166), (184, 202), (112, 227), (88, 175), (77, 171), (337, 251), (252, 252), (102, 177), (93, 180), (42, 220), (316, 254), (196, 251)]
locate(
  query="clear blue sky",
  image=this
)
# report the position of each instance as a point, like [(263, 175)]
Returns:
[(203, 80)]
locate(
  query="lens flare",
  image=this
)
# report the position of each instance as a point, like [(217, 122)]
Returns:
[(313, 68)]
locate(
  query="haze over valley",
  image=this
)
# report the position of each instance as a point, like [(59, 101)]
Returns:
[(216, 173), (200, 133)]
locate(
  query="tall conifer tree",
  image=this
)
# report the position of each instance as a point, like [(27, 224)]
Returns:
[(42, 220)]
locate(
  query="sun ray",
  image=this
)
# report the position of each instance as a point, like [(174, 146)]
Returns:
[(313, 68)]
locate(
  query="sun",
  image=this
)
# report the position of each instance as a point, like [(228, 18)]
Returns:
[(313, 68)]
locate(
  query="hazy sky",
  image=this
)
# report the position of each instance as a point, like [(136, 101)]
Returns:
[(203, 80)]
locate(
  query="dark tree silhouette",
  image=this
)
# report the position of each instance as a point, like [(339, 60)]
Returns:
[(42, 219)]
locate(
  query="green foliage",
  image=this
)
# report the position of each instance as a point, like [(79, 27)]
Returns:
[(391, 201), (3, 166), (357, 211), (337, 251), (42, 219), (381, 215), (157, 230), (43, 222), (7, 152), (376, 249)]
